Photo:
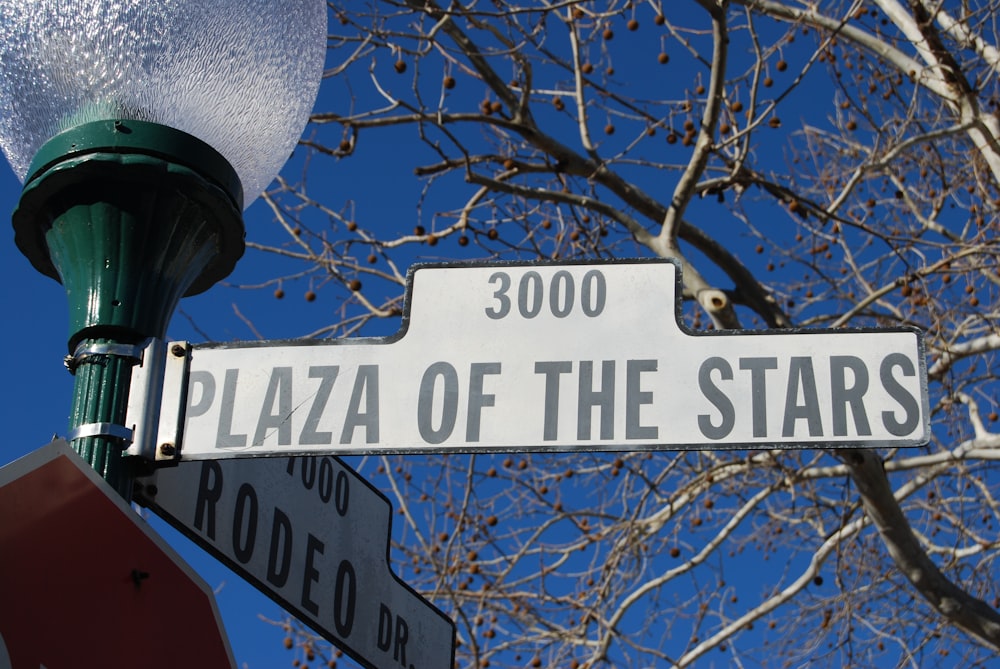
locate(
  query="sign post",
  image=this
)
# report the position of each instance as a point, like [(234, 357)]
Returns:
[(557, 357), (314, 536)]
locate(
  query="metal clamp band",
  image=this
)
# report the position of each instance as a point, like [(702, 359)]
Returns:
[(89, 349), (101, 430)]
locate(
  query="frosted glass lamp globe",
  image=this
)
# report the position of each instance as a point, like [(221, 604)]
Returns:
[(240, 75)]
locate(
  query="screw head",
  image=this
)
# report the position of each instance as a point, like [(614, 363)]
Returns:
[(167, 450), (178, 350)]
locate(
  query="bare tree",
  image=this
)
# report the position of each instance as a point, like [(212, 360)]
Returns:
[(810, 165)]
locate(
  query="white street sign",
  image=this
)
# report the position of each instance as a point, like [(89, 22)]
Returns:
[(554, 357), (313, 535)]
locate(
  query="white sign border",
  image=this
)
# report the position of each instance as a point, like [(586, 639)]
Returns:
[(596, 446)]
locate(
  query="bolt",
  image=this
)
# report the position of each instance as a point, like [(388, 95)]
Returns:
[(167, 449), (138, 577), (178, 350)]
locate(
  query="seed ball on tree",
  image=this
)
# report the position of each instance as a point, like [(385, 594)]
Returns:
[(400, 66), (354, 285)]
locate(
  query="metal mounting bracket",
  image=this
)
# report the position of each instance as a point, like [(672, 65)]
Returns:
[(88, 349), (101, 430), (157, 423)]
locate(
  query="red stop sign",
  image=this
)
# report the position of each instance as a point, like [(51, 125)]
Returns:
[(85, 582)]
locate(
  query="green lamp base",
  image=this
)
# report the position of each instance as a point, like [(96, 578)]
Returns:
[(129, 216)]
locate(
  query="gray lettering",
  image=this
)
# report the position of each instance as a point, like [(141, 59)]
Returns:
[(854, 396), (477, 398), (425, 403), (552, 370), (327, 375), (908, 402), (225, 437), (801, 382), (635, 397), (603, 399), (365, 385), (718, 398), (207, 383), (279, 388), (758, 390)]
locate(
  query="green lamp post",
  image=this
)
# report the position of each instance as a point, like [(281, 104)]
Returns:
[(141, 130)]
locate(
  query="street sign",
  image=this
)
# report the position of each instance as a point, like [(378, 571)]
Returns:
[(314, 536), (84, 582), (556, 357)]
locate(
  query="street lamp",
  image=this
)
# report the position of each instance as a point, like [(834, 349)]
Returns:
[(141, 130)]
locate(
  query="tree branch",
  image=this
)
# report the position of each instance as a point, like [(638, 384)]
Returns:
[(962, 609)]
